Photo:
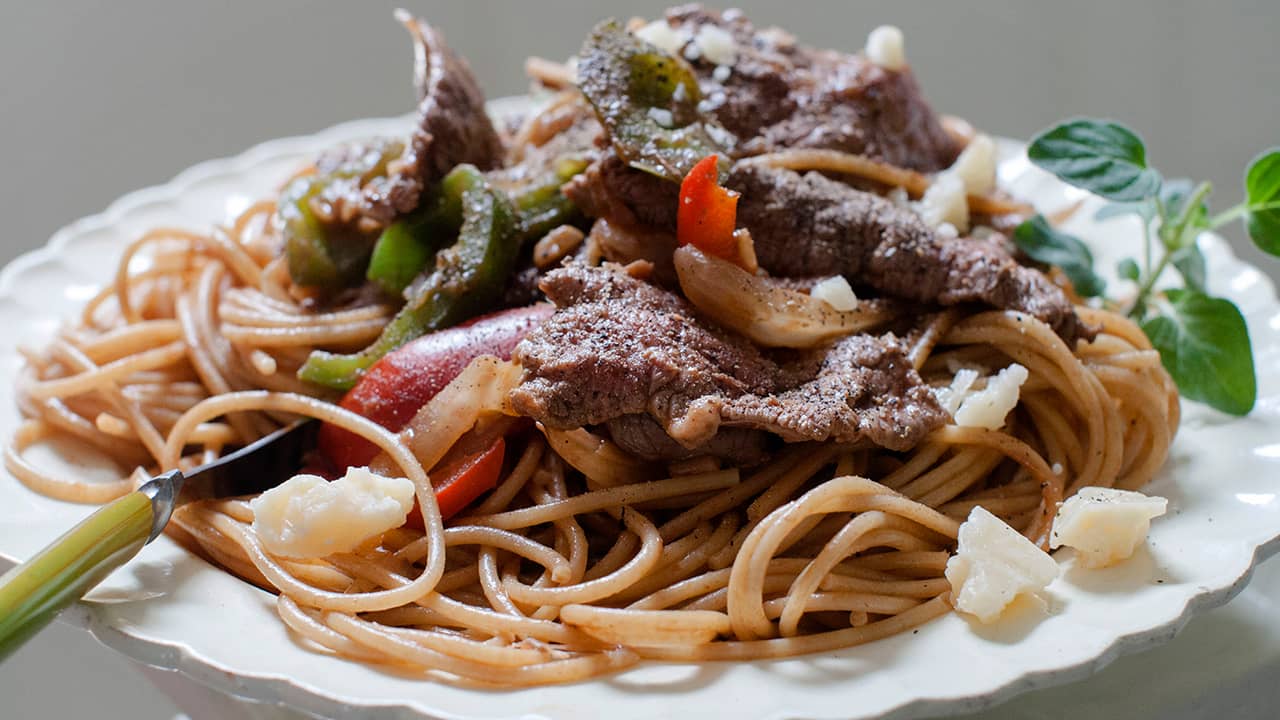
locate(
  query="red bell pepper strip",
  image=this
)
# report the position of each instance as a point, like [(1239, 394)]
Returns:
[(404, 380), (707, 211), (461, 478)]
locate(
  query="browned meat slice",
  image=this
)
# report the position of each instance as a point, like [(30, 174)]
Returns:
[(609, 188), (618, 346), (807, 225), (866, 388), (778, 94), (644, 438), (452, 128), (757, 92)]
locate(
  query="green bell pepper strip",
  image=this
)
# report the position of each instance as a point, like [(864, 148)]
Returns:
[(401, 252), (327, 256), (406, 247), (647, 99), (542, 205), (468, 278), (32, 593)]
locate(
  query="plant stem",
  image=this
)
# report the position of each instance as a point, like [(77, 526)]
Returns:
[(1145, 290), (1171, 239), (1239, 211), (1147, 231), (1174, 239)]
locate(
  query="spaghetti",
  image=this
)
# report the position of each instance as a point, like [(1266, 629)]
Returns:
[(581, 561)]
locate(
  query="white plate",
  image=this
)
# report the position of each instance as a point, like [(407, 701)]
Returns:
[(171, 610)]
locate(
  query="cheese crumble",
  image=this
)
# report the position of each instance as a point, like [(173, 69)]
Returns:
[(835, 291), (993, 565), (976, 165), (985, 408), (945, 202), (951, 396), (1105, 525), (661, 35), (310, 517), (716, 45), (886, 48)]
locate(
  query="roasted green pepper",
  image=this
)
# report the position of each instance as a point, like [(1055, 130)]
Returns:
[(468, 278), (647, 99), (402, 251), (541, 204), (330, 255), (407, 246)]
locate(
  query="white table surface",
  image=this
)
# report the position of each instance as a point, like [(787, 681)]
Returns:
[(1224, 664)]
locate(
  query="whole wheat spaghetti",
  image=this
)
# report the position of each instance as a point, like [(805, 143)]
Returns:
[(582, 560)]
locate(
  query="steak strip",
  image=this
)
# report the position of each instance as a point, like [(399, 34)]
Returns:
[(779, 94), (452, 128), (810, 225), (618, 347)]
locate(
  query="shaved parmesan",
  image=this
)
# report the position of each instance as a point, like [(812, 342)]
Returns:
[(309, 517), (661, 35), (1105, 525), (716, 45), (886, 48), (835, 291), (976, 165), (987, 408), (993, 565), (662, 116), (950, 397), (945, 202)]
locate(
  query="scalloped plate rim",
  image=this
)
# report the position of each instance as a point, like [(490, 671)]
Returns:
[(279, 688)]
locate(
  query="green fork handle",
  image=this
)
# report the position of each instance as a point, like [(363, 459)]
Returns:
[(32, 593)]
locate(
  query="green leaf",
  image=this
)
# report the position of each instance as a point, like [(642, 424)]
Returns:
[(1100, 156), (1204, 345), (1190, 264), (1262, 187), (1042, 243), (1128, 269)]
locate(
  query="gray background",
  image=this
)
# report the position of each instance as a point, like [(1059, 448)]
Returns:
[(102, 98), (97, 99)]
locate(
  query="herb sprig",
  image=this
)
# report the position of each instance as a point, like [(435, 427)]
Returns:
[(1203, 340)]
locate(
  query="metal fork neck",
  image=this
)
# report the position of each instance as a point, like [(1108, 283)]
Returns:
[(163, 491)]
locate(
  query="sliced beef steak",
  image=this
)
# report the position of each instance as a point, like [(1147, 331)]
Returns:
[(609, 188), (807, 225), (452, 128), (777, 94), (619, 347), (643, 437), (865, 388)]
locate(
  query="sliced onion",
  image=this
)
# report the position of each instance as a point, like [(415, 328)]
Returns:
[(765, 311), (480, 389), (604, 463)]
